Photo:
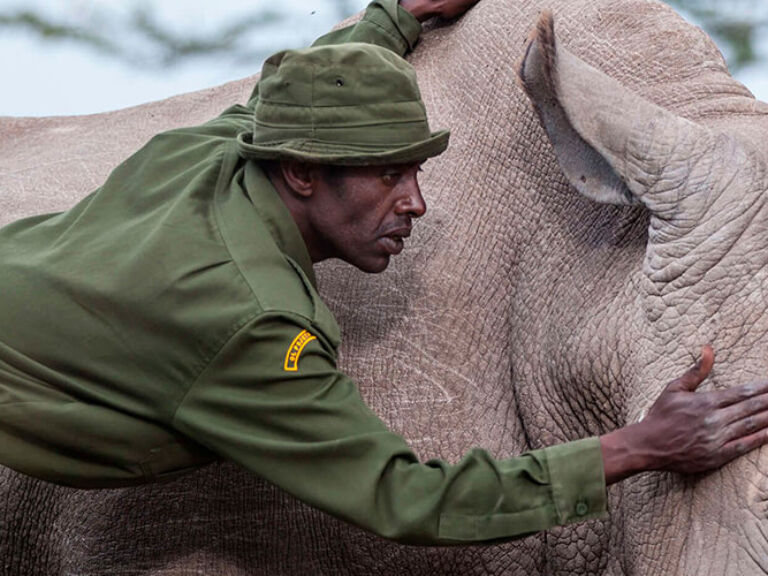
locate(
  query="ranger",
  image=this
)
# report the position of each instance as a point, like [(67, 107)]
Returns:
[(172, 318)]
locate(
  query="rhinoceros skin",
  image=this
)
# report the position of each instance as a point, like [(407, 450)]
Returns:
[(522, 314)]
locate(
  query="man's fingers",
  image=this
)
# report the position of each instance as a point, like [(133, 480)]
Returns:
[(746, 426), (751, 394), (745, 444), (698, 373)]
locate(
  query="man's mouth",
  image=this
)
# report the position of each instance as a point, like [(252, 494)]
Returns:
[(394, 241)]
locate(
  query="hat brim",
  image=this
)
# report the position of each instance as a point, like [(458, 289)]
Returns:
[(318, 152)]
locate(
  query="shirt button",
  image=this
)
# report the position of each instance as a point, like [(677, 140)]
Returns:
[(581, 508)]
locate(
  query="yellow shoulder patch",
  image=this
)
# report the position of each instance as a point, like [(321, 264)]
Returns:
[(295, 349)]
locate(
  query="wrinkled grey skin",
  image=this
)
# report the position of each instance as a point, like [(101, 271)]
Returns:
[(522, 313)]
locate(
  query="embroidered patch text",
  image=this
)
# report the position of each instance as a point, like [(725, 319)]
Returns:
[(294, 350)]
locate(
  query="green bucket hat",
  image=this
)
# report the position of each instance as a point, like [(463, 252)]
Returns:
[(347, 104)]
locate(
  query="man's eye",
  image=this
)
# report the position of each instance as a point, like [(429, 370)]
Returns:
[(391, 177)]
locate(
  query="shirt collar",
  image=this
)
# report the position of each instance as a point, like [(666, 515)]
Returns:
[(277, 217)]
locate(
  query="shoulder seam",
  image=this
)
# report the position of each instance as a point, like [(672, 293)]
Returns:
[(229, 149)]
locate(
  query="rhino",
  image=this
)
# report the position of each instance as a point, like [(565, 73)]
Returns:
[(599, 215)]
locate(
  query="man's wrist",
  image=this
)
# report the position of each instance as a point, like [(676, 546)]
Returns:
[(623, 455), (420, 9)]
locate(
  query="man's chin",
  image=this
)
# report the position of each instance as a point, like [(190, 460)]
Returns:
[(373, 265)]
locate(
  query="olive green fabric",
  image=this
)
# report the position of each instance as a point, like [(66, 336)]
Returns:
[(171, 318), (349, 104)]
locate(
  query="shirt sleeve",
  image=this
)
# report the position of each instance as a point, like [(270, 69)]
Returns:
[(273, 401), (384, 23)]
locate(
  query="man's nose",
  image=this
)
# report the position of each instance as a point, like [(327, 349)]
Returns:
[(412, 202)]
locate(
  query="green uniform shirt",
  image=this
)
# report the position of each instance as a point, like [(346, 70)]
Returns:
[(171, 318)]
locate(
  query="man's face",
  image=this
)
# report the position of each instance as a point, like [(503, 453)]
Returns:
[(363, 214)]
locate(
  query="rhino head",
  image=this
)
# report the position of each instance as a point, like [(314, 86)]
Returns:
[(702, 191)]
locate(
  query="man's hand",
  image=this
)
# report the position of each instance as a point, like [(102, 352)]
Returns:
[(426, 9), (690, 432)]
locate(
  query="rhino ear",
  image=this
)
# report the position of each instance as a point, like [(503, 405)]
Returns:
[(613, 146), (582, 164)]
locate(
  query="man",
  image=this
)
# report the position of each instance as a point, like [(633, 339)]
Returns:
[(172, 317)]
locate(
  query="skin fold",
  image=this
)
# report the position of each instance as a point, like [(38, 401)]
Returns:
[(523, 312)]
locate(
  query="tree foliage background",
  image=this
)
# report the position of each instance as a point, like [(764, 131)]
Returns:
[(736, 26), (105, 54), (144, 40), (134, 32)]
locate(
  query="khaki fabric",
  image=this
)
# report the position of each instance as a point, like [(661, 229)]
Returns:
[(172, 317)]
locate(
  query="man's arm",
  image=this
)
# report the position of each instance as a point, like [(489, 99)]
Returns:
[(384, 23), (395, 25), (284, 411), (391, 24), (288, 415)]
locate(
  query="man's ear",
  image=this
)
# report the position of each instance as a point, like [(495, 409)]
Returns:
[(300, 177)]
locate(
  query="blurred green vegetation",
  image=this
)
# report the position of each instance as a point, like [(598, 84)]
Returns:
[(143, 40), (140, 38), (735, 25)]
